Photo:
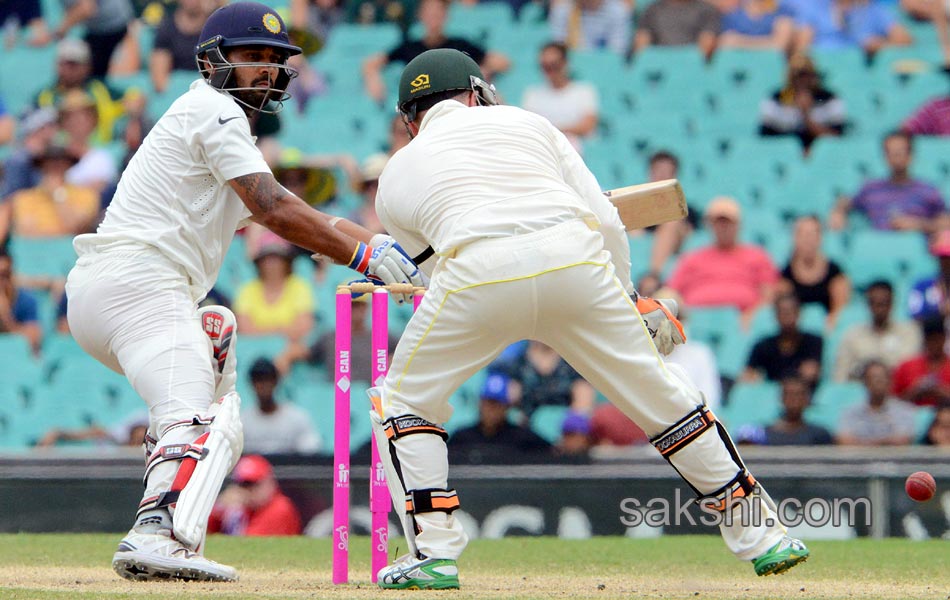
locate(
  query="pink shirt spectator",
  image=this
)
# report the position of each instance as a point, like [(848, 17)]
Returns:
[(714, 277), (932, 118)]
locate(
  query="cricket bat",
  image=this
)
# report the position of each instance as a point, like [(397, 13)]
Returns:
[(649, 204)]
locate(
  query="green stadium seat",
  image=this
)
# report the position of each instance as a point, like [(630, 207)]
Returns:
[(19, 367), (830, 400), (752, 404), (915, 60), (42, 256), (711, 324), (675, 72), (546, 421), (922, 420), (840, 63), (883, 255), (476, 21), (601, 67), (23, 72), (749, 73), (359, 41)]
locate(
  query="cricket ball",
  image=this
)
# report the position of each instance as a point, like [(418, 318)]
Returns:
[(921, 486)]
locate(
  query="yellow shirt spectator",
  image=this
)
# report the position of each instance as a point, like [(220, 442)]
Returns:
[(275, 315), (67, 210)]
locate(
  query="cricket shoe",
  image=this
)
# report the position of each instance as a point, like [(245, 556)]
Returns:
[(220, 325), (158, 557), (781, 557), (411, 573)]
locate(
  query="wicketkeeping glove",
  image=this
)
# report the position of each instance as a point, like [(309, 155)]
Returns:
[(661, 322)]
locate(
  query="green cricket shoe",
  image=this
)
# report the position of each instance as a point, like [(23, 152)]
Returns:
[(411, 573), (781, 557)]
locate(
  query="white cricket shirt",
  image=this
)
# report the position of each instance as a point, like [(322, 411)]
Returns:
[(488, 172), (174, 195)]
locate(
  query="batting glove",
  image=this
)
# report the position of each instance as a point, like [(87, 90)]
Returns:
[(660, 318), (386, 263)]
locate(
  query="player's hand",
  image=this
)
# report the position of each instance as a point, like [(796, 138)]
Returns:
[(389, 264), (660, 318)]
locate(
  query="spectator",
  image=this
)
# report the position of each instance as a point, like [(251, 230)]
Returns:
[(803, 107), (899, 202), (106, 23), (366, 186), (811, 276), (321, 353), (881, 421), (575, 435), (271, 427), (592, 24), (834, 24), (316, 17), (570, 105), (695, 356), (7, 125), (130, 432), (668, 237), (79, 118), (610, 427), (679, 23), (939, 14), (253, 503), (938, 433), (791, 429), (277, 302), (175, 41), (757, 24), (933, 118), (25, 14), (930, 297), (54, 207), (726, 273), (494, 439), (883, 339), (790, 353), (73, 68), (432, 16), (540, 377), (18, 307), (924, 379), (19, 171)]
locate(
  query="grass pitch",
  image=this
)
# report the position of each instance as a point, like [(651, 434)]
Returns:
[(77, 567)]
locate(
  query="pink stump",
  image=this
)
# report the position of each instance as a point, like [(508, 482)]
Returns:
[(341, 438), (379, 504)]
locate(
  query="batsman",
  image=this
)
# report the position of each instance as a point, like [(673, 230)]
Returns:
[(520, 243), (134, 290)]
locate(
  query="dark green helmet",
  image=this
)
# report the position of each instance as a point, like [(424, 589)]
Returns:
[(441, 70)]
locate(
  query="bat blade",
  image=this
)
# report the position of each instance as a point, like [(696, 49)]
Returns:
[(649, 204)]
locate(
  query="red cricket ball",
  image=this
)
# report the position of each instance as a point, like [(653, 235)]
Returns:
[(921, 486)]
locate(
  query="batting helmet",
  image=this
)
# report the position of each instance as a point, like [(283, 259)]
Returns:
[(245, 24), (437, 71)]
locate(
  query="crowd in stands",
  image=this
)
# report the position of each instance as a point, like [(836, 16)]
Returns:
[(777, 301)]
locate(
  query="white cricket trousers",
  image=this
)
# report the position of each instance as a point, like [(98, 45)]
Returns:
[(556, 286), (131, 309)]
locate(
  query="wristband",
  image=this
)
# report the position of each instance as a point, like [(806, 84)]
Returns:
[(360, 259)]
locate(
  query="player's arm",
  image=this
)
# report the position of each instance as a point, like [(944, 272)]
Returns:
[(342, 241), (76, 13)]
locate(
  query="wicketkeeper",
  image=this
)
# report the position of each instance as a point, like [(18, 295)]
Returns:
[(134, 290), (521, 244)]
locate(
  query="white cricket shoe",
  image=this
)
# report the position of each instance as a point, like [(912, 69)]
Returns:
[(156, 556)]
